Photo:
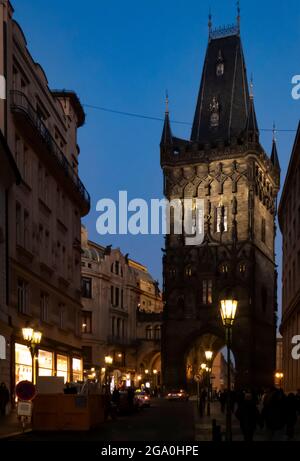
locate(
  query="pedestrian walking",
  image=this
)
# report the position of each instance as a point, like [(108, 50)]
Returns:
[(290, 415), (223, 400), (4, 398), (248, 416), (273, 412)]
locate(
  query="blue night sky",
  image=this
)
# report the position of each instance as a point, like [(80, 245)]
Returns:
[(122, 55)]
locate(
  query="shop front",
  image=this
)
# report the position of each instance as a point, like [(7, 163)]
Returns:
[(49, 363)]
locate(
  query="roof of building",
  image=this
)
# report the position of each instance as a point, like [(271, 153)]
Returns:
[(75, 102), (226, 94)]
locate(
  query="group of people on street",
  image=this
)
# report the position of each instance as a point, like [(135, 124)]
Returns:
[(271, 409)]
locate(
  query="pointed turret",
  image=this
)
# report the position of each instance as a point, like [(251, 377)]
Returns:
[(252, 131), (274, 154), (167, 138)]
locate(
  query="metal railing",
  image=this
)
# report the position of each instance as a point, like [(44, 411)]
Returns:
[(21, 104)]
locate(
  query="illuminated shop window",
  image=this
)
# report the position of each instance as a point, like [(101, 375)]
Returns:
[(77, 369), (62, 368), (23, 363), (45, 363)]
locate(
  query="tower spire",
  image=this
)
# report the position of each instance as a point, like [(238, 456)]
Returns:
[(238, 15), (209, 22), (167, 102), (274, 154), (251, 87), (166, 138), (252, 130)]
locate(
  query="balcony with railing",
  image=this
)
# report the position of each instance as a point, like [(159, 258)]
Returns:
[(120, 341), (25, 112)]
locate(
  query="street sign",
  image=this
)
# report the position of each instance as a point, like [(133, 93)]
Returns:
[(25, 391), (197, 378), (24, 409)]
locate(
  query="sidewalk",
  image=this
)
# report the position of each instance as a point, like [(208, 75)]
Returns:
[(203, 428), (10, 426)]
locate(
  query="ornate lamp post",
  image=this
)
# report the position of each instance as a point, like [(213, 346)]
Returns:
[(155, 377), (108, 362), (208, 356), (279, 376), (33, 338), (228, 312)]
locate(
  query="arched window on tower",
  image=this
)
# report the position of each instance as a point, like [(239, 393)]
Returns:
[(149, 332), (157, 332)]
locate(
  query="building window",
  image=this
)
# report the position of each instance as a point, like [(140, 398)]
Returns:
[(222, 219), (207, 291), (122, 299), (44, 307), (62, 367), (86, 287), (112, 298), (149, 332), (172, 272), (22, 297), (117, 297), (224, 268), (87, 353), (188, 271), (77, 369), (45, 363), (23, 362), (243, 268), (26, 229), (118, 328), (157, 332), (263, 230), (86, 322), (61, 316), (113, 326), (18, 224)]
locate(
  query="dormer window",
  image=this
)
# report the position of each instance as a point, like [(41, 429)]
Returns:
[(220, 68)]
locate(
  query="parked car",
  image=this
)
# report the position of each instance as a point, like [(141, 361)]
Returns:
[(178, 395), (143, 399)]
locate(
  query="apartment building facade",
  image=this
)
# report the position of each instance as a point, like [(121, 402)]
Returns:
[(115, 290), (289, 220), (40, 127)]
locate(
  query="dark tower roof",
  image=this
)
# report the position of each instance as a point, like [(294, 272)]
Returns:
[(223, 101), (166, 137), (252, 131), (274, 155)]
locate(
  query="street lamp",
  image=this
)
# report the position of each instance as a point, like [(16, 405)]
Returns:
[(228, 312), (33, 338), (279, 376), (108, 362), (208, 356)]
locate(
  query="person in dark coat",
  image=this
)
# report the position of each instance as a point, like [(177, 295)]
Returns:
[(248, 416), (116, 396), (4, 398), (223, 400), (298, 401), (273, 412), (290, 415)]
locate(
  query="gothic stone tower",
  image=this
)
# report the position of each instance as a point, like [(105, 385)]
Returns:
[(224, 164)]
